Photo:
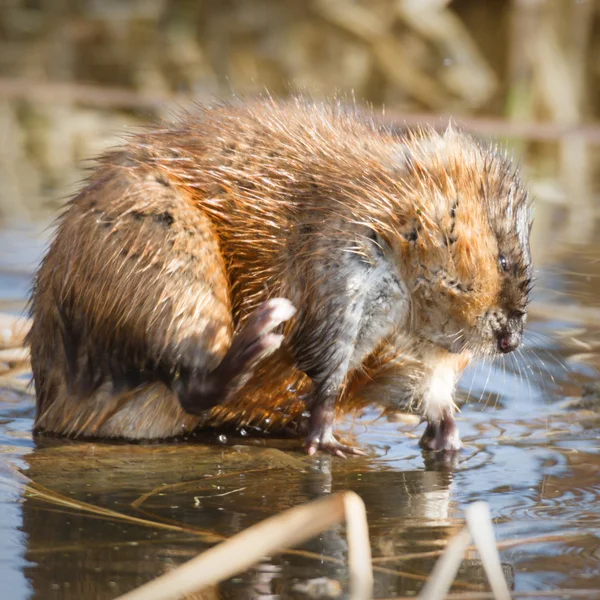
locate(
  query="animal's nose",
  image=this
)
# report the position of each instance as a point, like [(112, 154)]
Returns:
[(508, 341)]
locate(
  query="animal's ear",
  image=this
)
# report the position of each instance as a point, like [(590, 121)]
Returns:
[(402, 157), (421, 150)]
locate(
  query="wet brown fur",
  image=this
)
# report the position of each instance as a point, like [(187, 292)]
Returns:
[(183, 231)]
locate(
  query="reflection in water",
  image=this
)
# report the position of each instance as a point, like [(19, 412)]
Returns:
[(83, 555)]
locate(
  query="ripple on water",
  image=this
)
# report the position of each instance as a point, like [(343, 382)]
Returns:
[(535, 461)]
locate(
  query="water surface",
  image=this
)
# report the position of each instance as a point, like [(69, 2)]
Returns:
[(531, 452)]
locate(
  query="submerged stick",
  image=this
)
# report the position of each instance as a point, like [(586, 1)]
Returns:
[(273, 535)]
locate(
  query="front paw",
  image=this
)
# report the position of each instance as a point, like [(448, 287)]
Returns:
[(322, 438), (441, 436)]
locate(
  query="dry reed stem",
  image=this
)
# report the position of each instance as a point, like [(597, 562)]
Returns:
[(12, 332), (445, 569), (287, 529), (15, 384), (13, 371), (481, 529), (564, 594), (13, 355), (38, 491), (14, 358), (468, 75), (503, 545), (359, 547), (192, 483)]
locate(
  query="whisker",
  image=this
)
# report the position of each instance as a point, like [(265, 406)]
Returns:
[(533, 365), (550, 355), (473, 377), (515, 370), (503, 380), (524, 371), (517, 367), (535, 352), (485, 386)]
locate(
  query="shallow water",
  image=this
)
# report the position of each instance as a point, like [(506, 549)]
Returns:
[(531, 452)]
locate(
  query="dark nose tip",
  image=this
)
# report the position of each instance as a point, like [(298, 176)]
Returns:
[(508, 341)]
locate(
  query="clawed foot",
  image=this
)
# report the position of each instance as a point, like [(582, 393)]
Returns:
[(441, 436), (322, 438), (255, 341), (252, 344)]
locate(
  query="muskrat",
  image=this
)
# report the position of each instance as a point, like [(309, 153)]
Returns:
[(253, 263)]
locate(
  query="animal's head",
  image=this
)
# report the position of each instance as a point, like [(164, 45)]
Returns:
[(464, 243)]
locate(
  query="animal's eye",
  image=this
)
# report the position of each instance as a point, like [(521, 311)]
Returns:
[(503, 262)]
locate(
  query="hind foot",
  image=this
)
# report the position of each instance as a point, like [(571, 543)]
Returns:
[(254, 342), (251, 344), (441, 435)]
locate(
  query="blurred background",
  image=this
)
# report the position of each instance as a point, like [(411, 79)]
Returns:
[(75, 75), (78, 75)]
